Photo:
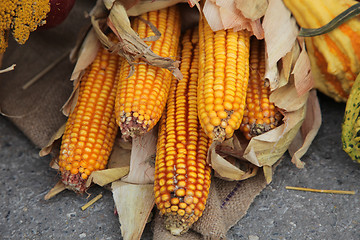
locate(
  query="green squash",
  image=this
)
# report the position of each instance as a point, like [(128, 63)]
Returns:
[(351, 124)]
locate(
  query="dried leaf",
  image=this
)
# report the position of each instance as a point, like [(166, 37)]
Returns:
[(222, 14), (304, 81), (272, 74), (126, 3), (192, 3), (287, 65), (280, 31), (87, 55), (222, 167), (270, 146), (225, 159), (268, 172), (134, 204), (130, 45), (48, 147), (106, 176), (212, 15), (144, 6), (142, 161), (232, 19), (120, 156), (118, 167), (288, 98), (8, 69), (58, 188), (253, 9), (308, 130)]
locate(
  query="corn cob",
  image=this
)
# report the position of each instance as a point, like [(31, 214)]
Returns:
[(141, 98), (260, 114), (91, 128), (223, 79), (182, 175)]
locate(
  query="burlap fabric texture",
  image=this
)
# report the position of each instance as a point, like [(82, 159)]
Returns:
[(36, 111)]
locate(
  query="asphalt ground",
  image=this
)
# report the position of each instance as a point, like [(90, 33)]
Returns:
[(276, 213)]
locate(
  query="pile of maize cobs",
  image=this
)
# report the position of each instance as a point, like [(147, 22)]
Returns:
[(222, 90)]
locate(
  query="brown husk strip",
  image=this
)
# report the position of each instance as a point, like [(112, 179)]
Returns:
[(130, 46), (134, 204), (142, 159), (308, 130), (253, 9), (144, 6), (280, 32), (8, 69)]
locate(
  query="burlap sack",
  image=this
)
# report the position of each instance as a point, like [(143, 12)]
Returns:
[(227, 204), (37, 112)]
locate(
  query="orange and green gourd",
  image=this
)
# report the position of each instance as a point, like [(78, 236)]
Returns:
[(335, 55)]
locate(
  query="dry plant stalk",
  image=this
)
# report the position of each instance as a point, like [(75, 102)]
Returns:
[(320, 190), (91, 202)]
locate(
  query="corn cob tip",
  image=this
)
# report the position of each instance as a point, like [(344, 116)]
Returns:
[(131, 126), (219, 134), (176, 225), (74, 181)]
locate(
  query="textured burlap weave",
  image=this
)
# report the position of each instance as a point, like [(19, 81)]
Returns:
[(36, 111), (227, 204)]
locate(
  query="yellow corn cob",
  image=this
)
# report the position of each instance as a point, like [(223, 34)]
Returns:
[(223, 79), (182, 175), (141, 98), (91, 128), (260, 114)]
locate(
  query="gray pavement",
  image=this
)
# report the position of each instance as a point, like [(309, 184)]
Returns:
[(276, 213)]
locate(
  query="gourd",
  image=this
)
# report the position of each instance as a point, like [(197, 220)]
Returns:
[(350, 134), (334, 56)]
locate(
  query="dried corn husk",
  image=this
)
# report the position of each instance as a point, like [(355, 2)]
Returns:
[(288, 72), (112, 14)]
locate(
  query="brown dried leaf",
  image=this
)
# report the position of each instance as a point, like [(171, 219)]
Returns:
[(106, 176), (268, 172), (304, 81), (192, 3), (8, 69), (212, 14), (225, 159), (144, 6), (142, 161), (288, 98), (280, 31), (134, 204), (118, 167), (58, 188), (130, 45), (223, 14), (48, 147), (267, 148), (222, 167), (253, 9), (87, 55), (308, 130)]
